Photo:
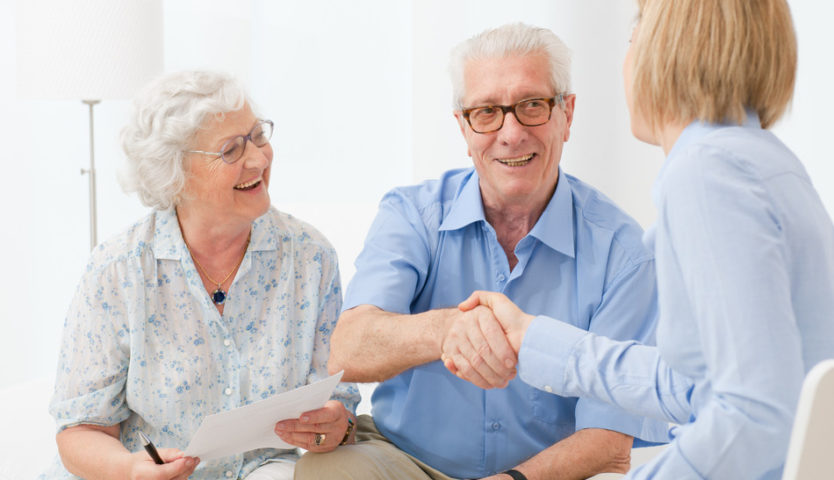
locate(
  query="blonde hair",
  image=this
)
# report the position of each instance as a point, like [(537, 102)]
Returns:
[(711, 59), (513, 39)]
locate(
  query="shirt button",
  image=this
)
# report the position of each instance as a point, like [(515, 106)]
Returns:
[(496, 426), (229, 473), (227, 342), (548, 389), (501, 277), (228, 391)]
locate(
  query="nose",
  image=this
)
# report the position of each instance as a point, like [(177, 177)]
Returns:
[(256, 157), (512, 132)]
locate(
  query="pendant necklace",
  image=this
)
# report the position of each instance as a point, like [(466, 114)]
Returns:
[(218, 296)]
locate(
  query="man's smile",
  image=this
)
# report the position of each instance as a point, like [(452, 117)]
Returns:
[(517, 161)]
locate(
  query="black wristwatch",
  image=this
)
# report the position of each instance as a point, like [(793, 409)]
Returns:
[(515, 474)]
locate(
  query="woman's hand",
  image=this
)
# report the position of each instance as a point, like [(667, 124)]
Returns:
[(176, 467), (513, 320), (329, 422), (95, 451)]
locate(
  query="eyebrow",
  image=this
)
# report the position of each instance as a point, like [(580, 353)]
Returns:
[(521, 98), (226, 139)]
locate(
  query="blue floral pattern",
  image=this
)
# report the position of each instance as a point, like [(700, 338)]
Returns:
[(144, 346)]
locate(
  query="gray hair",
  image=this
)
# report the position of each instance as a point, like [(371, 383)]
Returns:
[(513, 39), (168, 112)]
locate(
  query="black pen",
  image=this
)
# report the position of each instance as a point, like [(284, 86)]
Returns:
[(146, 442)]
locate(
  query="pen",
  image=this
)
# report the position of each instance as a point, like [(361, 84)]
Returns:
[(146, 442)]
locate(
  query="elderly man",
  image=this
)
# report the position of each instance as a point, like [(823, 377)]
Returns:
[(514, 224)]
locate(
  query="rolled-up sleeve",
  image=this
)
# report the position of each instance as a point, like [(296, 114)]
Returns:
[(94, 356), (394, 262), (330, 298)]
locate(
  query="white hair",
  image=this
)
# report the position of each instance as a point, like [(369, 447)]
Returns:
[(514, 39), (168, 112)]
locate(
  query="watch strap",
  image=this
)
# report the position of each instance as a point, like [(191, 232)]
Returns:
[(515, 474), (349, 430)]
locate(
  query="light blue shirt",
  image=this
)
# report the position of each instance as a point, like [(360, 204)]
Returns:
[(145, 347), (745, 260), (430, 247)]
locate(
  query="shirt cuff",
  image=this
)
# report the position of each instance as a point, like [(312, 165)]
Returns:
[(545, 351)]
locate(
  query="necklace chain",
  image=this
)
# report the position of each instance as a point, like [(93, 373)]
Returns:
[(203, 269)]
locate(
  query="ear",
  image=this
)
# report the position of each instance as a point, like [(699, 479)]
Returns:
[(570, 102), (461, 124)]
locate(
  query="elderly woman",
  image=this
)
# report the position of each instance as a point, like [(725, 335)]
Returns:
[(213, 301), (744, 250)]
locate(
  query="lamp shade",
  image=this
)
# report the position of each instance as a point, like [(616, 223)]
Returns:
[(87, 49)]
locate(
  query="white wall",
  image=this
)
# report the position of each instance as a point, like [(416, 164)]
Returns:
[(379, 67)]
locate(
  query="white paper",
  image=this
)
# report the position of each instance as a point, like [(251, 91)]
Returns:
[(253, 426)]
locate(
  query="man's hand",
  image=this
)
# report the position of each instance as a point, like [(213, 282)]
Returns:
[(514, 322), (475, 349)]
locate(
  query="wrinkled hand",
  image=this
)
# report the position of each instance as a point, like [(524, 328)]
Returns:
[(514, 321), (176, 467), (475, 349), (331, 420)]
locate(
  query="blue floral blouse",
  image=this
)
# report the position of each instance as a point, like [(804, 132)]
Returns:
[(144, 346)]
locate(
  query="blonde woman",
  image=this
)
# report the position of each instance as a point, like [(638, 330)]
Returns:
[(744, 250)]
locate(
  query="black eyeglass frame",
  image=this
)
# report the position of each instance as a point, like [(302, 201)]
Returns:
[(551, 102), (246, 139)]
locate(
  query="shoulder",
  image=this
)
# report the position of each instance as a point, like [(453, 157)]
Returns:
[(429, 200), (133, 243), (597, 216), (732, 158), (286, 228)]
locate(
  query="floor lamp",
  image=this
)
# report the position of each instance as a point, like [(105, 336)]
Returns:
[(88, 50)]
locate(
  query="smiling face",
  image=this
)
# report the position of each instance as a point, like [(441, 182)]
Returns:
[(517, 165), (220, 191)]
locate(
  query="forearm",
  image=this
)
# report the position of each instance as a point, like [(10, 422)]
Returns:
[(93, 452), (584, 454), (373, 345)]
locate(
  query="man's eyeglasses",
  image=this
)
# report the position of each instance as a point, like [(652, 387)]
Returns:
[(233, 149), (530, 113)]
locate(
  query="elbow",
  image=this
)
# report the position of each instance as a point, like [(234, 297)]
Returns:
[(334, 366), (338, 359), (338, 362)]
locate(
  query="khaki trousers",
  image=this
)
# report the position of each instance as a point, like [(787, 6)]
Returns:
[(372, 457)]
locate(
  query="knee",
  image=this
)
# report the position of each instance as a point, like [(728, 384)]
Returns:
[(340, 464)]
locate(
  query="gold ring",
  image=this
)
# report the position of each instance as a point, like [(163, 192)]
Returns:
[(320, 438)]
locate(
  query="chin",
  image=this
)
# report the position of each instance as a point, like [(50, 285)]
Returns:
[(640, 132)]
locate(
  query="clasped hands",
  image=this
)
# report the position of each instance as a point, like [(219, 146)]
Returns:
[(482, 340)]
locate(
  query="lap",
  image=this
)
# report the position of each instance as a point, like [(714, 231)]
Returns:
[(372, 457), (273, 471)]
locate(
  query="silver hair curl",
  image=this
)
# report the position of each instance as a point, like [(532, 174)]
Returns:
[(514, 39), (168, 112)]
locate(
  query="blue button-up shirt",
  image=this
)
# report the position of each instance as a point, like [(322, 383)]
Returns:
[(430, 247), (745, 259)]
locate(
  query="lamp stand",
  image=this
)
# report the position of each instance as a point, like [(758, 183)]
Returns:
[(92, 173)]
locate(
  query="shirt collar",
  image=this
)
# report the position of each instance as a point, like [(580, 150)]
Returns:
[(169, 245), (691, 134), (554, 228), (467, 207)]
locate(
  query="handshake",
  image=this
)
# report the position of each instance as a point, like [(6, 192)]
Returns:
[(482, 339)]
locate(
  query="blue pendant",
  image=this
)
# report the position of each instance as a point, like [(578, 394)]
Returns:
[(218, 296)]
